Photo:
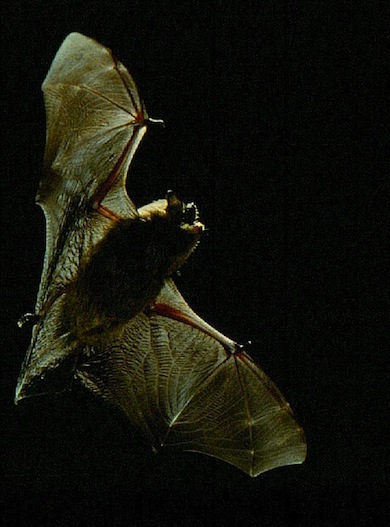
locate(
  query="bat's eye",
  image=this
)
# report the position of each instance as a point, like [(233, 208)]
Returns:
[(190, 213)]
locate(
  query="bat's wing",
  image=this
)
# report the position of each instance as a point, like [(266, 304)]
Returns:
[(95, 121), (184, 390)]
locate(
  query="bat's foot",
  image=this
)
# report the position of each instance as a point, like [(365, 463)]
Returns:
[(28, 318)]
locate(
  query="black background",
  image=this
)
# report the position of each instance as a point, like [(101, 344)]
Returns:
[(274, 127)]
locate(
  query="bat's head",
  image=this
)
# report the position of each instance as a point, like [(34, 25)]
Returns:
[(185, 215), (177, 223), (176, 212)]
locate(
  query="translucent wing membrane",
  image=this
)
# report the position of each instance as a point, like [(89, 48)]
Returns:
[(95, 121), (183, 383), (184, 391)]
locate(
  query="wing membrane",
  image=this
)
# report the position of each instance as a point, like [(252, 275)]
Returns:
[(185, 385), (186, 392), (95, 121)]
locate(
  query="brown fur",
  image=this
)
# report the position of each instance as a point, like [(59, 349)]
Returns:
[(126, 271)]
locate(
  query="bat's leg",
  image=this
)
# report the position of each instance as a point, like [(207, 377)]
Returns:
[(35, 318), (195, 321)]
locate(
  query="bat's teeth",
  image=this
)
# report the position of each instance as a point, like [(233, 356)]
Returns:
[(190, 213)]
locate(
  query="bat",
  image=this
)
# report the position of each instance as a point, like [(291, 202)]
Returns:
[(108, 312)]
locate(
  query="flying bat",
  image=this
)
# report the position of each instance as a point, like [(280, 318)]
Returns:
[(108, 312)]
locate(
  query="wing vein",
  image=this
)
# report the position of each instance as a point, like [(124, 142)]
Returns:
[(98, 94), (108, 99), (131, 95), (195, 392), (248, 413)]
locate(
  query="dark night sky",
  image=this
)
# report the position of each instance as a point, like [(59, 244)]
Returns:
[(274, 127)]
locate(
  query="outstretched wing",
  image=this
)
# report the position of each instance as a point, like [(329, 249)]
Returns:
[(95, 121), (184, 390), (179, 380)]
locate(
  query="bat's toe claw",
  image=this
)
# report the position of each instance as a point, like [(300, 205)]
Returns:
[(28, 318)]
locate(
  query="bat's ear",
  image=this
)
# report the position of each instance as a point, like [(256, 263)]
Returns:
[(175, 206)]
